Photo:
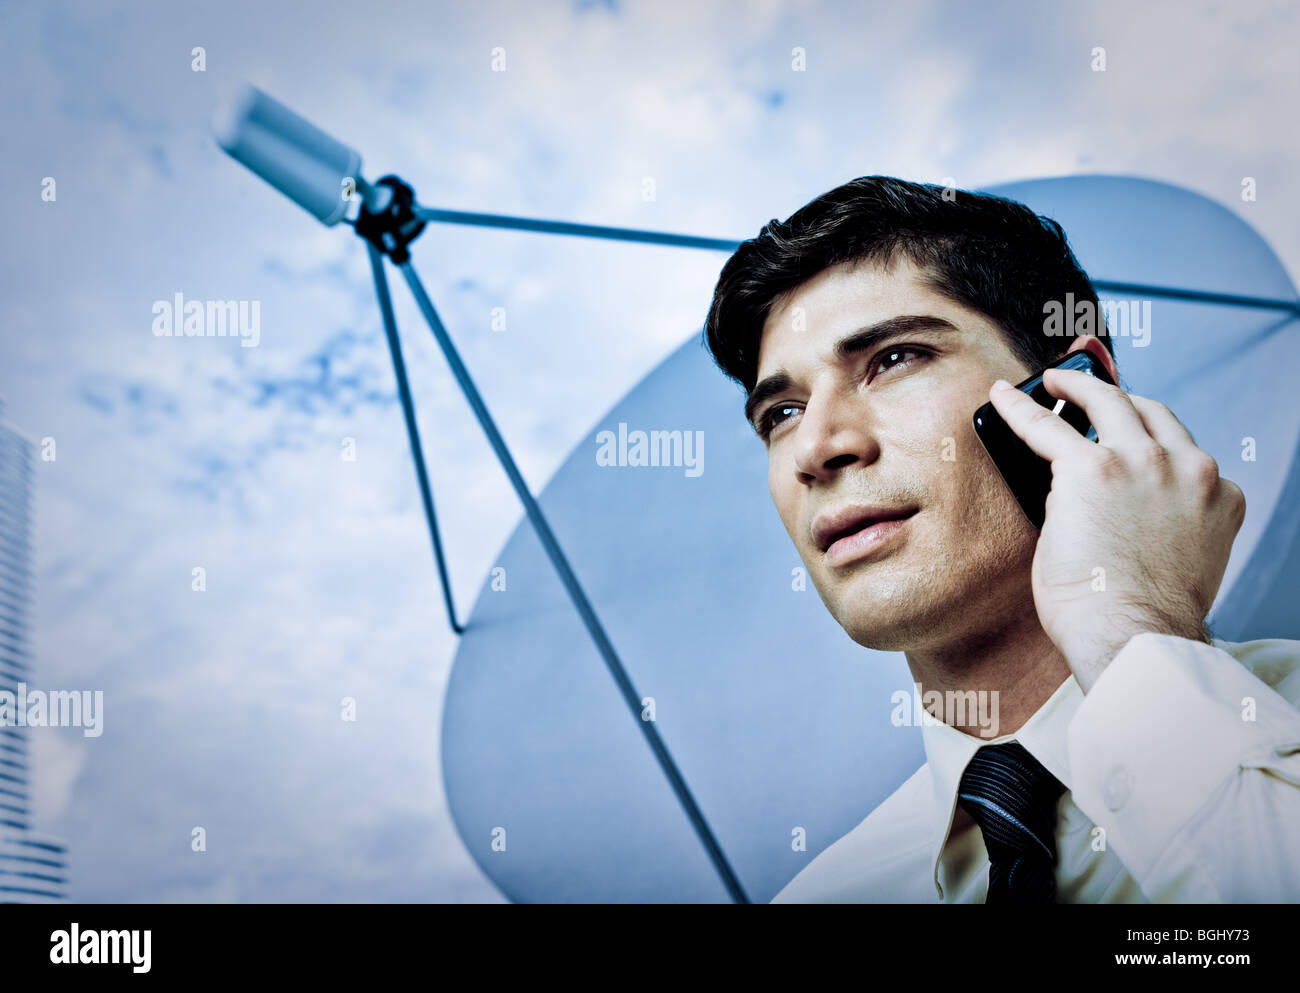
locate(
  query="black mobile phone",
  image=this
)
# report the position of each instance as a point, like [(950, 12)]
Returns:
[(1029, 476)]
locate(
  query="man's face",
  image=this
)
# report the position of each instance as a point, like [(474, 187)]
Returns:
[(886, 424)]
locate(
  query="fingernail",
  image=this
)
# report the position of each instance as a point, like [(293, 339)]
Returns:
[(1001, 384)]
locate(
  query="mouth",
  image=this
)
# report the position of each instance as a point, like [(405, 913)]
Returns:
[(852, 532)]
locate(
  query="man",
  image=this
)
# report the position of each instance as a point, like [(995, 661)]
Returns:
[(1137, 758)]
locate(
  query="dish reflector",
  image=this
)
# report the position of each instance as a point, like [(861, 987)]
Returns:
[(779, 723)]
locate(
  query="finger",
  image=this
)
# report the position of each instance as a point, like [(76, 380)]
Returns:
[(1046, 434), (1116, 420), (1235, 500), (1162, 424)]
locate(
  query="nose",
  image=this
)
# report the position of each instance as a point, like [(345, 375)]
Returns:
[(830, 435)]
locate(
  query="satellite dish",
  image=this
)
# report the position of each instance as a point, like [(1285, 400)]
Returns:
[(777, 729), (779, 723)]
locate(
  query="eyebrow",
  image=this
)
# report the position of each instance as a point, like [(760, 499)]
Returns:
[(852, 344)]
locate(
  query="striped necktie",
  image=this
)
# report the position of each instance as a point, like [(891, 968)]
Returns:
[(1012, 797)]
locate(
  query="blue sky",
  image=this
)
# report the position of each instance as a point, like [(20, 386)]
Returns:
[(222, 707)]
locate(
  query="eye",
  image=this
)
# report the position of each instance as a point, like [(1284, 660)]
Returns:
[(885, 360), (893, 357), (774, 417)]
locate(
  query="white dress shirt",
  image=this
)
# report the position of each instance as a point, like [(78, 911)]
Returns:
[(1182, 777)]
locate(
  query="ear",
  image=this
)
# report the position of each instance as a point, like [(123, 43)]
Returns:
[(1093, 344)]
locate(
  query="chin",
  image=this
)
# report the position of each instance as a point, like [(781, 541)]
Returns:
[(924, 601), (945, 584), (888, 612), (887, 634)]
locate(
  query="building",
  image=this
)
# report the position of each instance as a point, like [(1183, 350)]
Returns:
[(33, 867)]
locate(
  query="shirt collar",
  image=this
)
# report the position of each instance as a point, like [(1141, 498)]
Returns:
[(948, 751)]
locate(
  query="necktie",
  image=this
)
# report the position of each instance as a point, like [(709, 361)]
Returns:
[(1012, 797)]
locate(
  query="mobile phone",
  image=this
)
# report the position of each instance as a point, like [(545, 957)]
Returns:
[(1027, 475)]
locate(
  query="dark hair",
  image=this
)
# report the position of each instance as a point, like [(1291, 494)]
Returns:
[(988, 253)]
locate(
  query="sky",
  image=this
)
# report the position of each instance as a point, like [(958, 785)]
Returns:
[(223, 706)]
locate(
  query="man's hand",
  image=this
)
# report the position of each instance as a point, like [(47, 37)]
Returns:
[(1139, 524)]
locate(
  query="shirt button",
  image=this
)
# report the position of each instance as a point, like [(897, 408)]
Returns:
[(1119, 784)]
